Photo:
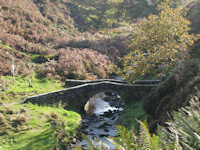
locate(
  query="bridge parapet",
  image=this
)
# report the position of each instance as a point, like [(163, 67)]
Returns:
[(72, 82)]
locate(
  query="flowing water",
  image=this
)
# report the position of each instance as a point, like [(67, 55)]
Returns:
[(102, 112)]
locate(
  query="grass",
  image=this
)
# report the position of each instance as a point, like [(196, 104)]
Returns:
[(131, 112), (33, 56), (40, 130), (6, 46), (28, 126), (19, 89)]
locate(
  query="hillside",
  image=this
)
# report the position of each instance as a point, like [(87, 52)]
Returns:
[(40, 31), (50, 40), (43, 32)]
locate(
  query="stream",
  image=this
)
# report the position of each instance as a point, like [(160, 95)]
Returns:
[(102, 111)]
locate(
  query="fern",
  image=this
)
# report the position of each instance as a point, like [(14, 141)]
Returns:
[(146, 140), (184, 131), (127, 139)]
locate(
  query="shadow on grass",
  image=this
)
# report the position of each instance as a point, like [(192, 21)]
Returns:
[(45, 140)]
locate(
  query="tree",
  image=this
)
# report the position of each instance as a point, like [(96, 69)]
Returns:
[(131, 10), (158, 42), (94, 14)]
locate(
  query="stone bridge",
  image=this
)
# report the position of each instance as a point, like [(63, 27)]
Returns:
[(76, 97)]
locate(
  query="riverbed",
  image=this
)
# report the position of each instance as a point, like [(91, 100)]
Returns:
[(100, 118)]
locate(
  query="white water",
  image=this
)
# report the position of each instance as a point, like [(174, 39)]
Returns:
[(102, 106)]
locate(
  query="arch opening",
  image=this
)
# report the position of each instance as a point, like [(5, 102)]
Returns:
[(103, 102)]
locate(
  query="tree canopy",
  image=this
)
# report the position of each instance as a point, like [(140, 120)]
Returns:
[(158, 43)]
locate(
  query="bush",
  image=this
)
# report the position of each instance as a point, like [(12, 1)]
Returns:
[(173, 93)]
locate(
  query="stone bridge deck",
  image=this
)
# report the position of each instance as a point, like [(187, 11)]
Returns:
[(77, 96)]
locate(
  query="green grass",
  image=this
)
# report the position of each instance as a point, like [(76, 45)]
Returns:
[(5, 46), (40, 131), (19, 90), (131, 112), (33, 57)]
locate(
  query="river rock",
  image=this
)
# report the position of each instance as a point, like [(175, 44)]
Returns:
[(22, 110), (103, 135), (108, 114), (106, 130)]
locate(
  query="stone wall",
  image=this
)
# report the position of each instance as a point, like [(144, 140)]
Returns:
[(77, 96), (71, 82)]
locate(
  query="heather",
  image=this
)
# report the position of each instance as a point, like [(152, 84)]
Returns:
[(77, 64), (40, 32)]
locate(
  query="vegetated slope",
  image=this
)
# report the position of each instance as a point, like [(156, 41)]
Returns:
[(92, 15), (173, 93), (176, 91), (194, 15), (37, 29), (25, 28), (28, 126), (33, 26)]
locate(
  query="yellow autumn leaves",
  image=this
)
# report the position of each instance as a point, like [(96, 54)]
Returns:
[(158, 43)]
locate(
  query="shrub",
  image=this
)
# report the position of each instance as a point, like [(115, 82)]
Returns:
[(77, 64), (173, 93)]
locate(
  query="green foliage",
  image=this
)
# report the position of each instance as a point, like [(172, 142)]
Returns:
[(128, 140), (193, 15), (35, 129), (95, 14), (132, 10), (158, 42), (184, 130), (131, 112), (6, 46), (20, 89), (173, 93)]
